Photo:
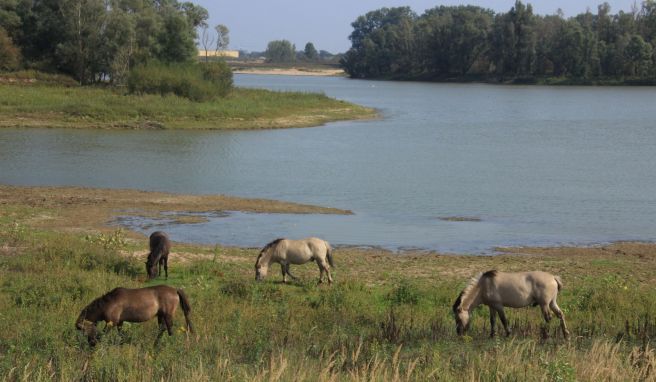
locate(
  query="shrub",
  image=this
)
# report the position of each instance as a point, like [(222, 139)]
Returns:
[(220, 75), (193, 81)]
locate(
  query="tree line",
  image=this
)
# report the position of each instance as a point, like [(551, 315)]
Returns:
[(97, 40), (458, 42), (283, 51)]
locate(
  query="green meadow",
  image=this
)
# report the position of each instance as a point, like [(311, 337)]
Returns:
[(386, 317)]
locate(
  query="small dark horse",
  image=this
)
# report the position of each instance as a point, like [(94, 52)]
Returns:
[(160, 245), (134, 305)]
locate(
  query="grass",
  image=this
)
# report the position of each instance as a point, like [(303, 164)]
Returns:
[(387, 317), (88, 107)]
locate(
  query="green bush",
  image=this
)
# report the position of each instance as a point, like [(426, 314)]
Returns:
[(193, 81)]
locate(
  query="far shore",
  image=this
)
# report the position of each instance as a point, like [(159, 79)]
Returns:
[(291, 72)]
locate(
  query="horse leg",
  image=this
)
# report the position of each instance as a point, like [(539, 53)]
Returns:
[(166, 267), (168, 320), (493, 321), (547, 318), (320, 271), (327, 267), (559, 313), (160, 322), (504, 320), (284, 273)]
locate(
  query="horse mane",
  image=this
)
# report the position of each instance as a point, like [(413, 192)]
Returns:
[(266, 248), (473, 283), (490, 274), (271, 244), (101, 301)]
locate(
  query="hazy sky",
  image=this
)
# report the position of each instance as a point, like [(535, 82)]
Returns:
[(327, 24)]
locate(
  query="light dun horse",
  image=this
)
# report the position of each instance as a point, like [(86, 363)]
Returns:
[(160, 245), (134, 305), (286, 252), (515, 290)]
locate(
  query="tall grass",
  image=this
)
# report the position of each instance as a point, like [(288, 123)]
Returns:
[(194, 81), (395, 331)]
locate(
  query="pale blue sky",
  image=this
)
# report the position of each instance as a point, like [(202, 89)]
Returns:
[(327, 24)]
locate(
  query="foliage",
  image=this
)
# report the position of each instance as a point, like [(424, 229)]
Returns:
[(310, 52), (197, 82), (113, 241), (97, 40), (9, 53), (280, 51), (456, 42), (223, 37)]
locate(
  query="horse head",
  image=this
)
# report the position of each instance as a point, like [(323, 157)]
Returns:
[(264, 258), (87, 327), (151, 268), (461, 315), (261, 267)]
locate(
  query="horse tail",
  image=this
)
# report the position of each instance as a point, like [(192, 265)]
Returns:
[(186, 308), (559, 282), (329, 254)]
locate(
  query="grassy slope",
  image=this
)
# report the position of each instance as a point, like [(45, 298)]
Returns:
[(387, 317), (54, 106)]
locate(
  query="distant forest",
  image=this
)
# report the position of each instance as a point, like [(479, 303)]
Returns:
[(469, 42)]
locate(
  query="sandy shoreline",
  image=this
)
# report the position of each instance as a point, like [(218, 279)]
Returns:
[(80, 209), (292, 72)]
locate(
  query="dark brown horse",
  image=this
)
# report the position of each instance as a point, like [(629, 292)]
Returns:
[(160, 245), (134, 305)]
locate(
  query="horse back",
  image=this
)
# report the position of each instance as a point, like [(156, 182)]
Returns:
[(304, 250), (521, 288), (142, 304), (159, 242)]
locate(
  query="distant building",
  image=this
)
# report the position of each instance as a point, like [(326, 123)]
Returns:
[(218, 53)]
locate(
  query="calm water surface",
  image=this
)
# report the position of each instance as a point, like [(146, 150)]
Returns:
[(536, 165)]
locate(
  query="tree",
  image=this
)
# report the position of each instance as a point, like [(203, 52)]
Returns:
[(310, 52), (280, 51), (9, 54), (80, 50), (176, 39), (223, 37), (382, 44), (452, 39), (207, 40), (638, 56)]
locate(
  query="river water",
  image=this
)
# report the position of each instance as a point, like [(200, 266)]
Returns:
[(521, 165)]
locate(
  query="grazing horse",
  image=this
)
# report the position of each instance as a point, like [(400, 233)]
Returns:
[(286, 252), (516, 290), (134, 305), (160, 245)]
